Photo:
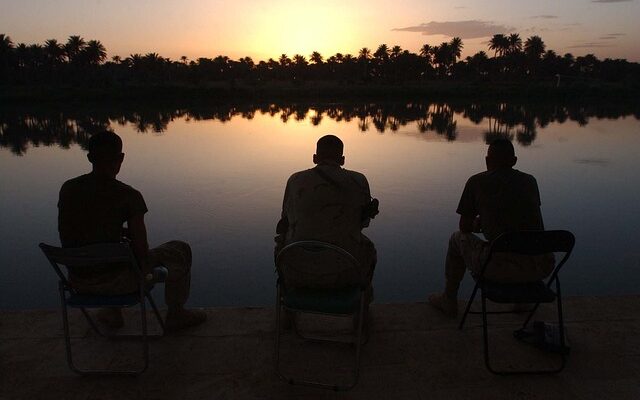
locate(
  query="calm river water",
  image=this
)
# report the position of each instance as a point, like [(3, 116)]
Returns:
[(214, 177)]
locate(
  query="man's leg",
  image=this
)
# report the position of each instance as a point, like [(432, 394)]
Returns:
[(176, 257), (465, 252)]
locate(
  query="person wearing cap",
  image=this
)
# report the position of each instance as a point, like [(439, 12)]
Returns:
[(92, 208), (498, 200), (331, 204)]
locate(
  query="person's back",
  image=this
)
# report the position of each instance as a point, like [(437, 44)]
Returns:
[(330, 204), (325, 203), (92, 208), (505, 199), (499, 200)]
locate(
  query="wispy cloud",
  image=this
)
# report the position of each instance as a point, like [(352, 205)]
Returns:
[(610, 1), (464, 29), (611, 36), (544, 17), (601, 162), (589, 45)]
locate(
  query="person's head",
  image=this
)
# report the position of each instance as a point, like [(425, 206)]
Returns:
[(329, 151), (105, 153), (500, 155)]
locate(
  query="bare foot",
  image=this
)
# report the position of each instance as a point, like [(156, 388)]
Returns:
[(445, 304)]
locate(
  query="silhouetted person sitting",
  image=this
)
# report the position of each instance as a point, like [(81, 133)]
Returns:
[(93, 208), (499, 200), (330, 204)]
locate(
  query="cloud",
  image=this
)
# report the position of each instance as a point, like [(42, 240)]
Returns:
[(611, 36), (589, 45), (602, 162), (610, 1), (464, 29), (544, 17)]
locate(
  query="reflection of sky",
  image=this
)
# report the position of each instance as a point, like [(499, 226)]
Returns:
[(219, 187)]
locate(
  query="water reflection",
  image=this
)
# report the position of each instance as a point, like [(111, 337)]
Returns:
[(20, 129)]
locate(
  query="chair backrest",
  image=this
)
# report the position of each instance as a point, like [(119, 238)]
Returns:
[(535, 243), (94, 255), (316, 264)]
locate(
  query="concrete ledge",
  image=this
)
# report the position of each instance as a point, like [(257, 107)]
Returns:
[(413, 353)]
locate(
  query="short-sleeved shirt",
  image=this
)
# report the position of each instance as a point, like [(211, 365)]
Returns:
[(326, 203), (93, 209), (505, 199)]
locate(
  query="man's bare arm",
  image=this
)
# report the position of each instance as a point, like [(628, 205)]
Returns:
[(139, 244)]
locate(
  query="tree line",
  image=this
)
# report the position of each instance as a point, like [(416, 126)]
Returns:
[(20, 129), (78, 61)]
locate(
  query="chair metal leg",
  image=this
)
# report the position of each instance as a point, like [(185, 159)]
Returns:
[(156, 312), (468, 307), (485, 333), (302, 382)]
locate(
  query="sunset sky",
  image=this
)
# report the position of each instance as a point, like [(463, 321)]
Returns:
[(267, 28)]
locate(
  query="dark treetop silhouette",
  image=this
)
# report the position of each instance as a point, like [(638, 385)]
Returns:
[(80, 62)]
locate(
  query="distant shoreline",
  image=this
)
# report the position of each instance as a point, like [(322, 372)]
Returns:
[(227, 92)]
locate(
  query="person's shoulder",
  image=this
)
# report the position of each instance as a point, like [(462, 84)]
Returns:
[(524, 177), (478, 178), (128, 189), (73, 183), (300, 175), (359, 176)]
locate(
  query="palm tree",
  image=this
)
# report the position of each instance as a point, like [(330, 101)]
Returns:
[(425, 51), (515, 43), (534, 47), (364, 54), (395, 51), (74, 46), (284, 60), (456, 46), (6, 45), (54, 50), (382, 53), (299, 60), (316, 58), (499, 43), (94, 52)]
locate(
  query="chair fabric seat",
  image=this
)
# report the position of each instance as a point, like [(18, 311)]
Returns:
[(530, 292), (330, 301), (95, 301)]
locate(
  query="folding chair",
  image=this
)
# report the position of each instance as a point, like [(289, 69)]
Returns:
[(526, 243), (90, 257), (318, 257)]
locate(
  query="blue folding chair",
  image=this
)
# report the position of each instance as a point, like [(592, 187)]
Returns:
[(526, 243), (93, 256), (314, 258)]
